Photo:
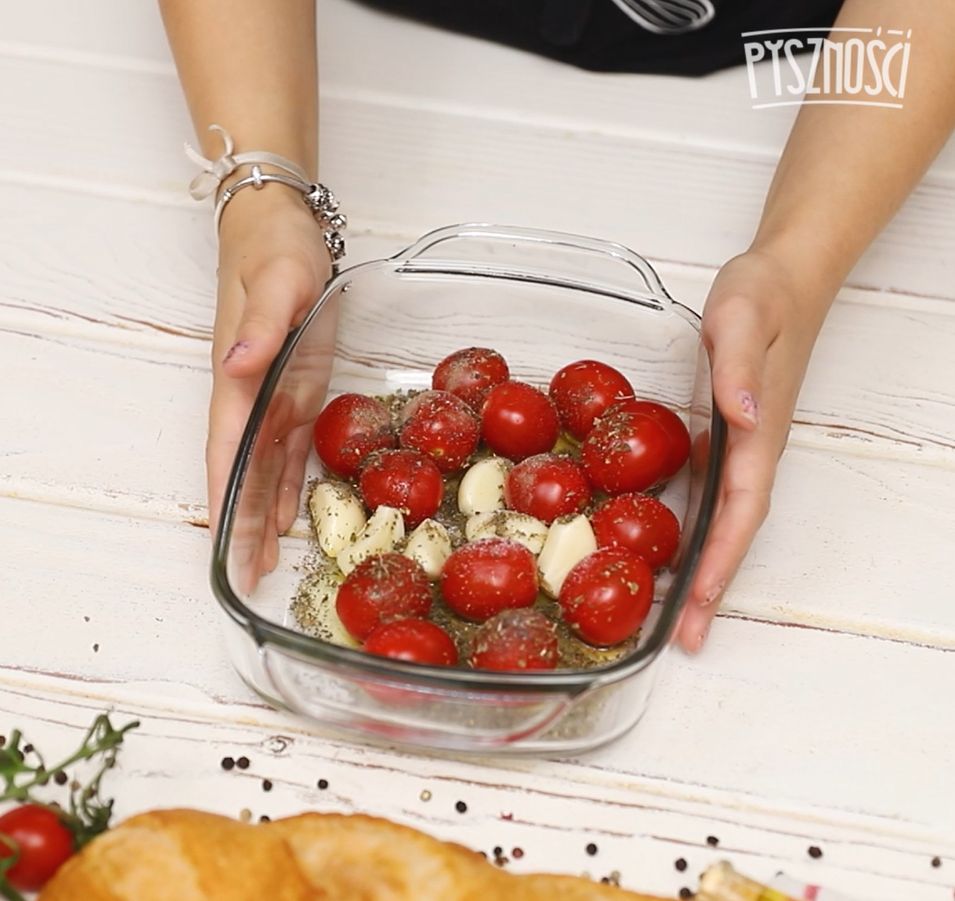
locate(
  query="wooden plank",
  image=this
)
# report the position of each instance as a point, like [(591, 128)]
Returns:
[(551, 811), (398, 162), (758, 688), (151, 286), (474, 74)]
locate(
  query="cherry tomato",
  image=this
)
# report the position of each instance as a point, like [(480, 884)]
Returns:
[(415, 640), (404, 479), (382, 589), (485, 577), (625, 451), (671, 424), (348, 430), (607, 595), (518, 421), (583, 391), (515, 640), (44, 843), (547, 486), (640, 524), (470, 373), (442, 426)]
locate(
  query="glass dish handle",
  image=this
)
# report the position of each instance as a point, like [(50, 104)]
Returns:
[(607, 264)]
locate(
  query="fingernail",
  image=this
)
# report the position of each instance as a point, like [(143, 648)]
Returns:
[(713, 594), (240, 347), (749, 407)]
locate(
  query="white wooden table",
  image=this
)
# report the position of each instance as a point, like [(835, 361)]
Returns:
[(819, 713)]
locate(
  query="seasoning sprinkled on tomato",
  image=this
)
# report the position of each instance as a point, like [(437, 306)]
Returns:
[(547, 486), (470, 374), (518, 421), (583, 391), (487, 576)]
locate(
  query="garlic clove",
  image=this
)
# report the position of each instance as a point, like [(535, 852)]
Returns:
[(520, 527), (338, 516), (482, 486), (430, 545), (379, 536), (568, 542)]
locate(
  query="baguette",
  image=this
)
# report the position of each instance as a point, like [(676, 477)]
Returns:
[(187, 855)]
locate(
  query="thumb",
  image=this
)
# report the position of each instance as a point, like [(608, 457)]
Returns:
[(274, 297), (737, 344)]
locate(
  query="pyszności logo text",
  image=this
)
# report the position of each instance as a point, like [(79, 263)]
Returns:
[(866, 70)]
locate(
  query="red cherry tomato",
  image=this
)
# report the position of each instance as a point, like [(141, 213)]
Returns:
[(583, 391), (607, 595), (547, 486), (442, 426), (414, 640), (518, 421), (404, 479), (42, 840), (640, 524), (671, 424), (515, 640), (485, 577), (470, 374), (348, 430), (625, 452), (382, 589)]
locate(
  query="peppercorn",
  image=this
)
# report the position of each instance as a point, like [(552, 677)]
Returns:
[(227, 763), (685, 893), (680, 864), (591, 849), (815, 852), (461, 807), (266, 785), (936, 862), (242, 763), (323, 784), (517, 853), (712, 841)]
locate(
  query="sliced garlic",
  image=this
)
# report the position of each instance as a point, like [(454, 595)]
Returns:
[(520, 527), (337, 516), (482, 486), (430, 545), (317, 613), (380, 535), (568, 542)]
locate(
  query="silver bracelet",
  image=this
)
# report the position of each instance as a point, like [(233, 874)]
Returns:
[(319, 199)]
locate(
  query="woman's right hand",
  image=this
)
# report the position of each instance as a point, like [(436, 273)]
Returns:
[(273, 264)]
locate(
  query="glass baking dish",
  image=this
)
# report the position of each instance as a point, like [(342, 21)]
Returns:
[(543, 299)]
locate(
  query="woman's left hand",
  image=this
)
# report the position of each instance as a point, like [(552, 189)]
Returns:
[(759, 326)]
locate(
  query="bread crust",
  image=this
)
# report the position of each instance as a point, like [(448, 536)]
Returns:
[(188, 855)]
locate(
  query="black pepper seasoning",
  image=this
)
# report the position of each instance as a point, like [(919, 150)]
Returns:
[(498, 851), (323, 784), (680, 864), (686, 893), (28, 749), (591, 849), (936, 862), (712, 841), (517, 853), (266, 785), (265, 818), (60, 778), (227, 763), (461, 807), (242, 763), (815, 852)]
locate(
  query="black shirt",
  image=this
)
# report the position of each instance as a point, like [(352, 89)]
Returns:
[(598, 35)]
